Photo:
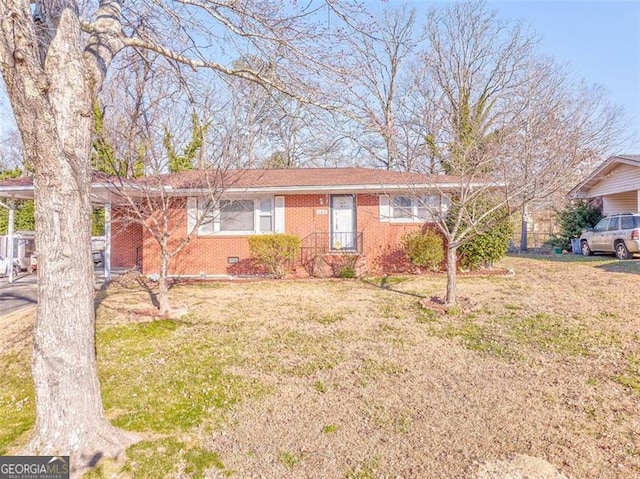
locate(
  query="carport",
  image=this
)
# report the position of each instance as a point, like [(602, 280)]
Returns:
[(23, 189)]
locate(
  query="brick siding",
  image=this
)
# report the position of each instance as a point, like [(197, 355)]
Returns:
[(208, 255)]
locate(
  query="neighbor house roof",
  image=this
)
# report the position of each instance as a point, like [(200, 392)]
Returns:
[(273, 181), (601, 172)]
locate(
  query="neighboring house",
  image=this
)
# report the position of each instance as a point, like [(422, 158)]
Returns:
[(335, 211), (617, 181)]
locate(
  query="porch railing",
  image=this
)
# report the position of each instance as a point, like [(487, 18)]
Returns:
[(328, 243)]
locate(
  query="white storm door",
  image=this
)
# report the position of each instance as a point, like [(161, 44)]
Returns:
[(343, 222)]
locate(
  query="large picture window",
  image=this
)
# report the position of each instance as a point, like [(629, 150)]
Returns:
[(237, 215), (233, 216)]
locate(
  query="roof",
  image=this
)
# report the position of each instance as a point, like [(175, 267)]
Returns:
[(274, 181), (22, 187), (300, 178), (601, 172)]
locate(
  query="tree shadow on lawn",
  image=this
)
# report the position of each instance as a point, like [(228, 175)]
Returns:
[(559, 258), (605, 262), (386, 285), (131, 282), (624, 266)]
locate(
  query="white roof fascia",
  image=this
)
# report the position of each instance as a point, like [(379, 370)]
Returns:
[(332, 189)]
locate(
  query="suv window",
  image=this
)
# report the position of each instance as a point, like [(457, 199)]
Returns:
[(630, 222), (614, 224), (602, 225)]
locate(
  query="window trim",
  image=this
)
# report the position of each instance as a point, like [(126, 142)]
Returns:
[(417, 203)]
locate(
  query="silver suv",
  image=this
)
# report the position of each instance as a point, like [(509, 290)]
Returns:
[(619, 234)]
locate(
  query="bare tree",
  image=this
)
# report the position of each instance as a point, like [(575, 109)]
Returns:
[(11, 151), (54, 61), (377, 90), (511, 127), (152, 204)]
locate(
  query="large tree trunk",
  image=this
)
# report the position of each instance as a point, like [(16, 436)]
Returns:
[(452, 260), (51, 96)]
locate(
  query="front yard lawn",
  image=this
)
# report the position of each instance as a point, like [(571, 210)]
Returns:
[(347, 379)]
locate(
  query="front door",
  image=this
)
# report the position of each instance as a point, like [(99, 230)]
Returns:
[(343, 222)]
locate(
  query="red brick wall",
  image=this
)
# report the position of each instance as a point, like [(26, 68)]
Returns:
[(304, 214), (380, 239), (126, 241)]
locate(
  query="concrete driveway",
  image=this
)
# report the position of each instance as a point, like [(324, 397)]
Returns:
[(23, 292)]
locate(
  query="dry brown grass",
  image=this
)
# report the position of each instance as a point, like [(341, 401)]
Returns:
[(364, 383)]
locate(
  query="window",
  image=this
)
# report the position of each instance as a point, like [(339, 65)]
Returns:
[(401, 207), (602, 225), (237, 215), (232, 216), (413, 208), (206, 211), (630, 222), (613, 224), (266, 215)]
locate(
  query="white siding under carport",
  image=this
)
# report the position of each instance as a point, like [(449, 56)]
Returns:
[(620, 190), (621, 203)]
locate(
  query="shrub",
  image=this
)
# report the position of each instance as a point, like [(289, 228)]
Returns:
[(572, 220), (424, 249), (275, 252), (347, 272), (494, 223), (342, 266), (487, 247)]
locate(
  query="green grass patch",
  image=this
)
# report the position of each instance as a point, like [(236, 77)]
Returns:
[(329, 428), (553, 333), (292, 353), (425, 316), (326, 318), (169, 457), (630, 378), (17, 399), (153, 385), (139, 337), (508, 337), (366, 470), (372, 368), (320, 387), (289, 459), (479, 338)]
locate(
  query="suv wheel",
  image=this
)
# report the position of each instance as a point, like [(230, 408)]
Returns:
[(586, 251), (621, 251)]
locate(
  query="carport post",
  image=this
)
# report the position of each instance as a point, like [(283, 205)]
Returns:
[(12, 206), (107, 240)]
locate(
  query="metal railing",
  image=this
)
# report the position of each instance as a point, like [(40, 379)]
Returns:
[(321, 242)]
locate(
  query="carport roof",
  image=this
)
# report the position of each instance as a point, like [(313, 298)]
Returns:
[(22, 188)]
